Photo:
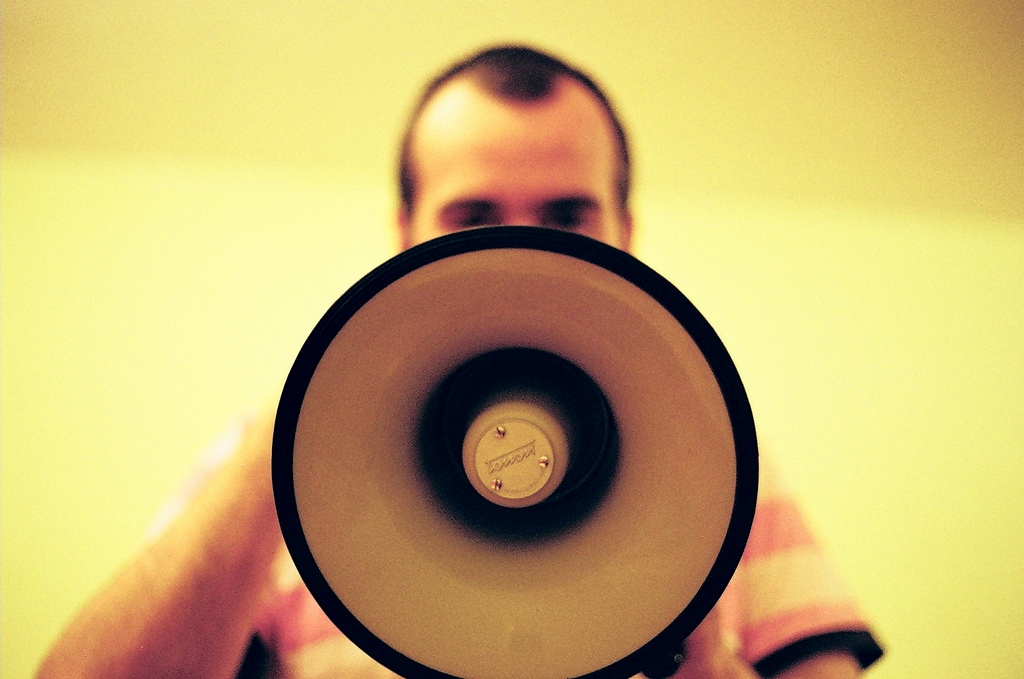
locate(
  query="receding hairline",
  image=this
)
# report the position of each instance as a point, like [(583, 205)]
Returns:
[(515, 75)]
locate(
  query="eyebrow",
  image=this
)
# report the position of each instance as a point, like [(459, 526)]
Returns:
[(571, 203), (469, 204), (457, 210), (458, 207)]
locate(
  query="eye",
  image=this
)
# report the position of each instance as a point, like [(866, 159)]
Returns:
[(571, 214)]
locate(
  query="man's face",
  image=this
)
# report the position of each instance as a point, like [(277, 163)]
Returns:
[(480, 161)]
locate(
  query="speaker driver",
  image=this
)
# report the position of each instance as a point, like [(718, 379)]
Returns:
[(515, 452), (519, 444)]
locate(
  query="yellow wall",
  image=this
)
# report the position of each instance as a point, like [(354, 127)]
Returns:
[(840, 189)]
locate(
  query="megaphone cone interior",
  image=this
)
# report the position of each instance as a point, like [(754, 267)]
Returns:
[(605, 439)]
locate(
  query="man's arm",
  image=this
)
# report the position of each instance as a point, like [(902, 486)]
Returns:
[(185, 605)]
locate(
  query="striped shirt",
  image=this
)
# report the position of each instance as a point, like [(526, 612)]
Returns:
[(784, 603)]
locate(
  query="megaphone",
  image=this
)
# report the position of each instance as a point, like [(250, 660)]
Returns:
[(515, 453)]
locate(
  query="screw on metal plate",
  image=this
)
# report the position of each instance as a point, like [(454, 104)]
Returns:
[(543, 461), (499, 432), (496, 485)]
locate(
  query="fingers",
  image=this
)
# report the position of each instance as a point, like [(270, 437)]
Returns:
[(708, 656)]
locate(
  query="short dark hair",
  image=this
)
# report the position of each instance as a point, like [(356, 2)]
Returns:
[(514, 73)]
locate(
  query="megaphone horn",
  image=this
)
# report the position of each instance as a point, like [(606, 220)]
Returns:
[(515, 452)]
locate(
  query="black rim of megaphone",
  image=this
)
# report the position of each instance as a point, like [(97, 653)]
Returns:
[(618, 262)]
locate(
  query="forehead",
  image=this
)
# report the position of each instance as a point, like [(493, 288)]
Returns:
[(467, 139)]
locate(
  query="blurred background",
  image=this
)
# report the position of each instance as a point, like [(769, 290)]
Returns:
[(838, 186)]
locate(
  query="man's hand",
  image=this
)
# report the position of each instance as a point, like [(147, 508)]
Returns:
[(709, 657)]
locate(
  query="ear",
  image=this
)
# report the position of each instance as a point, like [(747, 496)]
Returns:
[(627, 230), (403, 223)]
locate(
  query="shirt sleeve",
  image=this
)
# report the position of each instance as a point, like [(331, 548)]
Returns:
[(785, 602)]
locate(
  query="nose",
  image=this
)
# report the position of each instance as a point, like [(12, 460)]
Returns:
[(521, 217)]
